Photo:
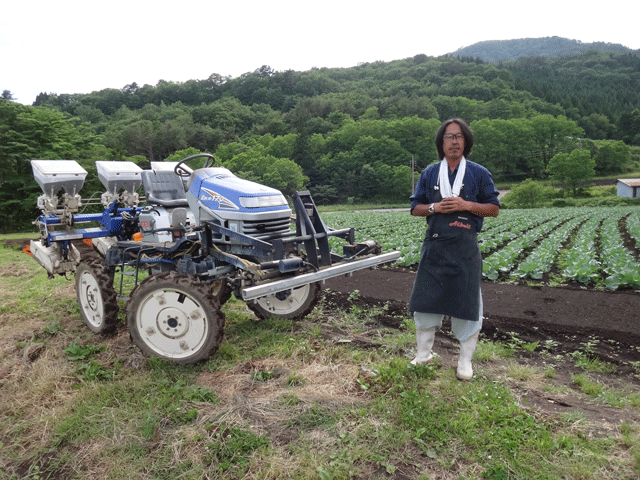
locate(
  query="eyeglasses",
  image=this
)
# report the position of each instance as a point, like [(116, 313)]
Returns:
[(453, 136)]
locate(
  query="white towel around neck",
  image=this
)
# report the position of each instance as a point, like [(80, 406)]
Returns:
[(446, 190)]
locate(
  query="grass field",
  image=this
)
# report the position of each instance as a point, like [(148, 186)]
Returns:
[(329, 397)]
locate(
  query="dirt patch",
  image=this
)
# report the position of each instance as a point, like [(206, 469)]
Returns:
[(569, 316), (266, 392)]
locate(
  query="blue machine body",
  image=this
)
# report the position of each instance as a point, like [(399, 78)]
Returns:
[(110, 225), (217, 189), (216, 195)]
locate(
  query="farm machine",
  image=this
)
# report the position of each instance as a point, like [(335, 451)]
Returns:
[(178, 253)]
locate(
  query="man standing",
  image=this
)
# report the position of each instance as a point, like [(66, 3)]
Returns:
[(455, 195)]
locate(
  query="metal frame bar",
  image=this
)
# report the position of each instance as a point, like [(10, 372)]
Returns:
[(258, 291)]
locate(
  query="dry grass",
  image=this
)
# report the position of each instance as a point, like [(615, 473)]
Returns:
[(266, 406)]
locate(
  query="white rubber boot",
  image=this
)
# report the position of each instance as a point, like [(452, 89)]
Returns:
[(465, 370), (424, 339)]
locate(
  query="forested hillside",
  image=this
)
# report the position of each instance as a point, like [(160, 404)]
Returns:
[(504, 50), (347, 133)]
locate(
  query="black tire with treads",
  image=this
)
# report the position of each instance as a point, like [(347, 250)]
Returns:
[(96, 296)]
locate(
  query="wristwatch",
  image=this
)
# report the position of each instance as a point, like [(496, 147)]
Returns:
[(432, 208)]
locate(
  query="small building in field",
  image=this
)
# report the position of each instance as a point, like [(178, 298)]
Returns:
[(629, 187)]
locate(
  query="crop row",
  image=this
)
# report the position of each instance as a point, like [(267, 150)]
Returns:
[(542, 258), (580, 261), (585, 245)]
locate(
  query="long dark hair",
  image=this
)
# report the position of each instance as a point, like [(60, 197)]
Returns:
[(466, 132)]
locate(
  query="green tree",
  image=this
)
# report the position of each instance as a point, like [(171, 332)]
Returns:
[(187, 152), (156, 131), (372, 113), (139, 139), (324, 194), (612, 157), (449, 107), (252, 163), (28, 133), (227, 114), (597, 126), (285, 175), (369, 183), (554, 134), (416, 136), (527, 194), (629, 126), (384, 149), (507, 148), (301, 153), (572, 168), (400, 183)]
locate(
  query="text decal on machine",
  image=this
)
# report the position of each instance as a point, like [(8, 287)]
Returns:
[(212, 196)]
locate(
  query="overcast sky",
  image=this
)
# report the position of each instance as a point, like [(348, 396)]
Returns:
[(73, 46)]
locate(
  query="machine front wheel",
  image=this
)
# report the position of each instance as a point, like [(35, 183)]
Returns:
[(175, 317), (295, 303), (96, 296), (222, 291)]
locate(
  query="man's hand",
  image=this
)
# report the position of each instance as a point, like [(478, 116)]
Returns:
[(452, 204), (457, 204)]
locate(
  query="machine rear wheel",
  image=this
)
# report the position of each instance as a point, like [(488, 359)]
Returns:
[(96, 296), (294, 303), (175, 317)]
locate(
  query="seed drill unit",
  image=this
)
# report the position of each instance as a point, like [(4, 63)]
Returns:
[(195, 238)]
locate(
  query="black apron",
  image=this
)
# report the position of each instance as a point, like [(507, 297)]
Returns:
[(450, 269)]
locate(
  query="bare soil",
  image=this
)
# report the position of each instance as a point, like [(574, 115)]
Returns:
[(570, 316)]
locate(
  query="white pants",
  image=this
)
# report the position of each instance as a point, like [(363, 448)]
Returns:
[(461, 329)]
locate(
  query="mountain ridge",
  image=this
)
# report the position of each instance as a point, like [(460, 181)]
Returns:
[(494, 51)]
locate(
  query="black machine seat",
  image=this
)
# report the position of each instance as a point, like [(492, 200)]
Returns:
[(164, 187)]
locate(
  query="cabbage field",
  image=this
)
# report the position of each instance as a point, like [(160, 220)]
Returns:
[(597, 247)]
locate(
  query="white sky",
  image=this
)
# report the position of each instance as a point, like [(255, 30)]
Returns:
[(80, 46)]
